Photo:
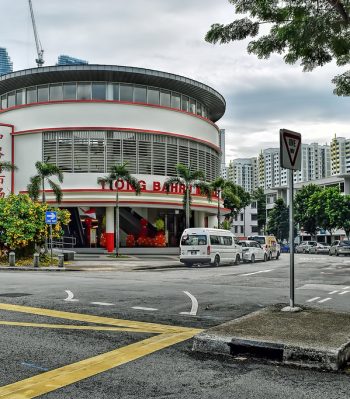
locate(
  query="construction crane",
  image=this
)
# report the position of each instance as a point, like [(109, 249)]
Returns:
[(40, 60)]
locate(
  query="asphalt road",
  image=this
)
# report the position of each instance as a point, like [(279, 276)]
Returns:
[(162, 365)]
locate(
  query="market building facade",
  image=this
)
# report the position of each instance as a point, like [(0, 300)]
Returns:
[(86, 118)]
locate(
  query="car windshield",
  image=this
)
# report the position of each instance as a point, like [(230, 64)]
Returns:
[(260, 240), (194, 239), (342, 243)]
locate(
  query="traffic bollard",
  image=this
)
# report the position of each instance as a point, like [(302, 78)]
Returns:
[(60, 260), (36, 260), (12, 259)]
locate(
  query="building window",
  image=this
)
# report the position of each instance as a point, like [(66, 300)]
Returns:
[(56, 92), (84, 91), (254, 216), (140, 94), (153, 96), (242, 217), (255, 229), (98, 91), (43, 93), (165, 98), (31, 96), (242, 230), (69, 91)]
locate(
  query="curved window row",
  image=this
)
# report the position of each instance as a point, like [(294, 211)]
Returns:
[(103, 91), (145, 153)]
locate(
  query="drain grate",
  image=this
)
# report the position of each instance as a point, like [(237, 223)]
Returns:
[(14, 295), (257, 350)]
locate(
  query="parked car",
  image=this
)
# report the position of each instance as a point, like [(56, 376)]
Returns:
[(340, 248), (253, 251), (268, 244), (285, 249), (319, 249), (304, 247), (213, 246)]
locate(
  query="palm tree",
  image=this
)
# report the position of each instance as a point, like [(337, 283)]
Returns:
[(7, 166), (119, 172), (219, 185), (189, 179), (45, 170)]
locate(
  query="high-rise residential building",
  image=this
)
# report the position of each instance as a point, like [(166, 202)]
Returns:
[(223, 171), (243, 171), (68, 60), (6, 65), (340, 155)]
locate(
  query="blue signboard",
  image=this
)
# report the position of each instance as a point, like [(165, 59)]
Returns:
[(50, 217)]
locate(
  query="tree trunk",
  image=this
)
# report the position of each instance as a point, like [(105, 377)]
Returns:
[(117, 221)]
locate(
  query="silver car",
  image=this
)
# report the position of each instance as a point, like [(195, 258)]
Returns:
[(305, 246), (340, 248), (319, 249)]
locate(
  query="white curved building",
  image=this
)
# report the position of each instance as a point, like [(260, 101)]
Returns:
[(86, 118)]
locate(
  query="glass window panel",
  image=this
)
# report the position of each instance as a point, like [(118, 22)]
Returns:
[(199, 109), (185, 103), (140, 94), (56, 92), (165, 98), (126, 93), (69, 91), (175, 100), (11, 99), (192, 106), (153, 96), (19, 97), (84, 91), (43, 93), (99, 91), (31, 95), (3, 102), (116, 92)]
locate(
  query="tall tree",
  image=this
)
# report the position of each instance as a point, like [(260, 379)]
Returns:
[(278, 221), (344, 216), (313, 32), (235, 198), (306, 219), (188, 179), (45, 171), (260, 197), (119, 172)]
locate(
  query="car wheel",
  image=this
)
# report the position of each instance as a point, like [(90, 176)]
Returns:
[(336, 253), (265, 258), (278, 255), (238, 259), (252, 259), (270, 256), (216, 262), (187, 264), (304, 251), (329, 253)]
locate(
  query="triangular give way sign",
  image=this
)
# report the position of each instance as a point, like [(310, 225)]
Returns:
[(290, 149)]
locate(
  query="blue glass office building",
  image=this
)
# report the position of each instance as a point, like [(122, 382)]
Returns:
[(6, 65), (68, 60)]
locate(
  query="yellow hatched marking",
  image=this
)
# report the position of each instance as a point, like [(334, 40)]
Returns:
[(66, 326), (66, 375), (141, 326)]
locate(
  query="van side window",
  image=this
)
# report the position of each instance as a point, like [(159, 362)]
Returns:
[(227, 240), (214, 240)]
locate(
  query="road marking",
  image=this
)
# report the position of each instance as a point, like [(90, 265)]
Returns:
[(194, 308), (344, 292), (324, 300), (34, 366), (332, 292), (70, 297), (261, 271), (313, 299), (102, 303), (345, 288), (55, 379), (142, 308)]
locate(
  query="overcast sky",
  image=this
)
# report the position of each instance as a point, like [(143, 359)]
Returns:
[(262, 96)]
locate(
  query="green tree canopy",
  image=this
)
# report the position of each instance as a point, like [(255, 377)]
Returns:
[(260, 197), (278, 221), (303, 215), (312, 32)]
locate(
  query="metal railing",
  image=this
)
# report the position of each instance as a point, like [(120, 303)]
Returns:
[(63, 242)]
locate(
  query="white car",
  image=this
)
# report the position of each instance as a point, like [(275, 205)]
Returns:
[(319, 249), (253, 251)]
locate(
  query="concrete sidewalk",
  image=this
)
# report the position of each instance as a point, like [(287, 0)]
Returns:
[(310, 338)]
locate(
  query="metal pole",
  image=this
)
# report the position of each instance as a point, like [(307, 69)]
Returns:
[(188, 207), (291, 236), (117, 223), (51, 240), (219, 215)]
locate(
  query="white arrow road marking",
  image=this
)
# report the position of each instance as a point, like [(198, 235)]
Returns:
[(344, 292), (142, 308), (102, 303), (324, 300), (332, 292), (313, 299), (250, 274), (194, 308), (345, 288), (70, 297)]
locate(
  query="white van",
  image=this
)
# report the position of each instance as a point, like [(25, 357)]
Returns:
[(214, 246)]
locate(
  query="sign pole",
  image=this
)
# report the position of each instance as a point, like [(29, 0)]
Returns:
[(291, 236), (51, 241)]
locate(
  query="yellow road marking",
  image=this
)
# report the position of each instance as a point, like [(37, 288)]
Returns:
[(66, 375), (137, 325), (66, 326)]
